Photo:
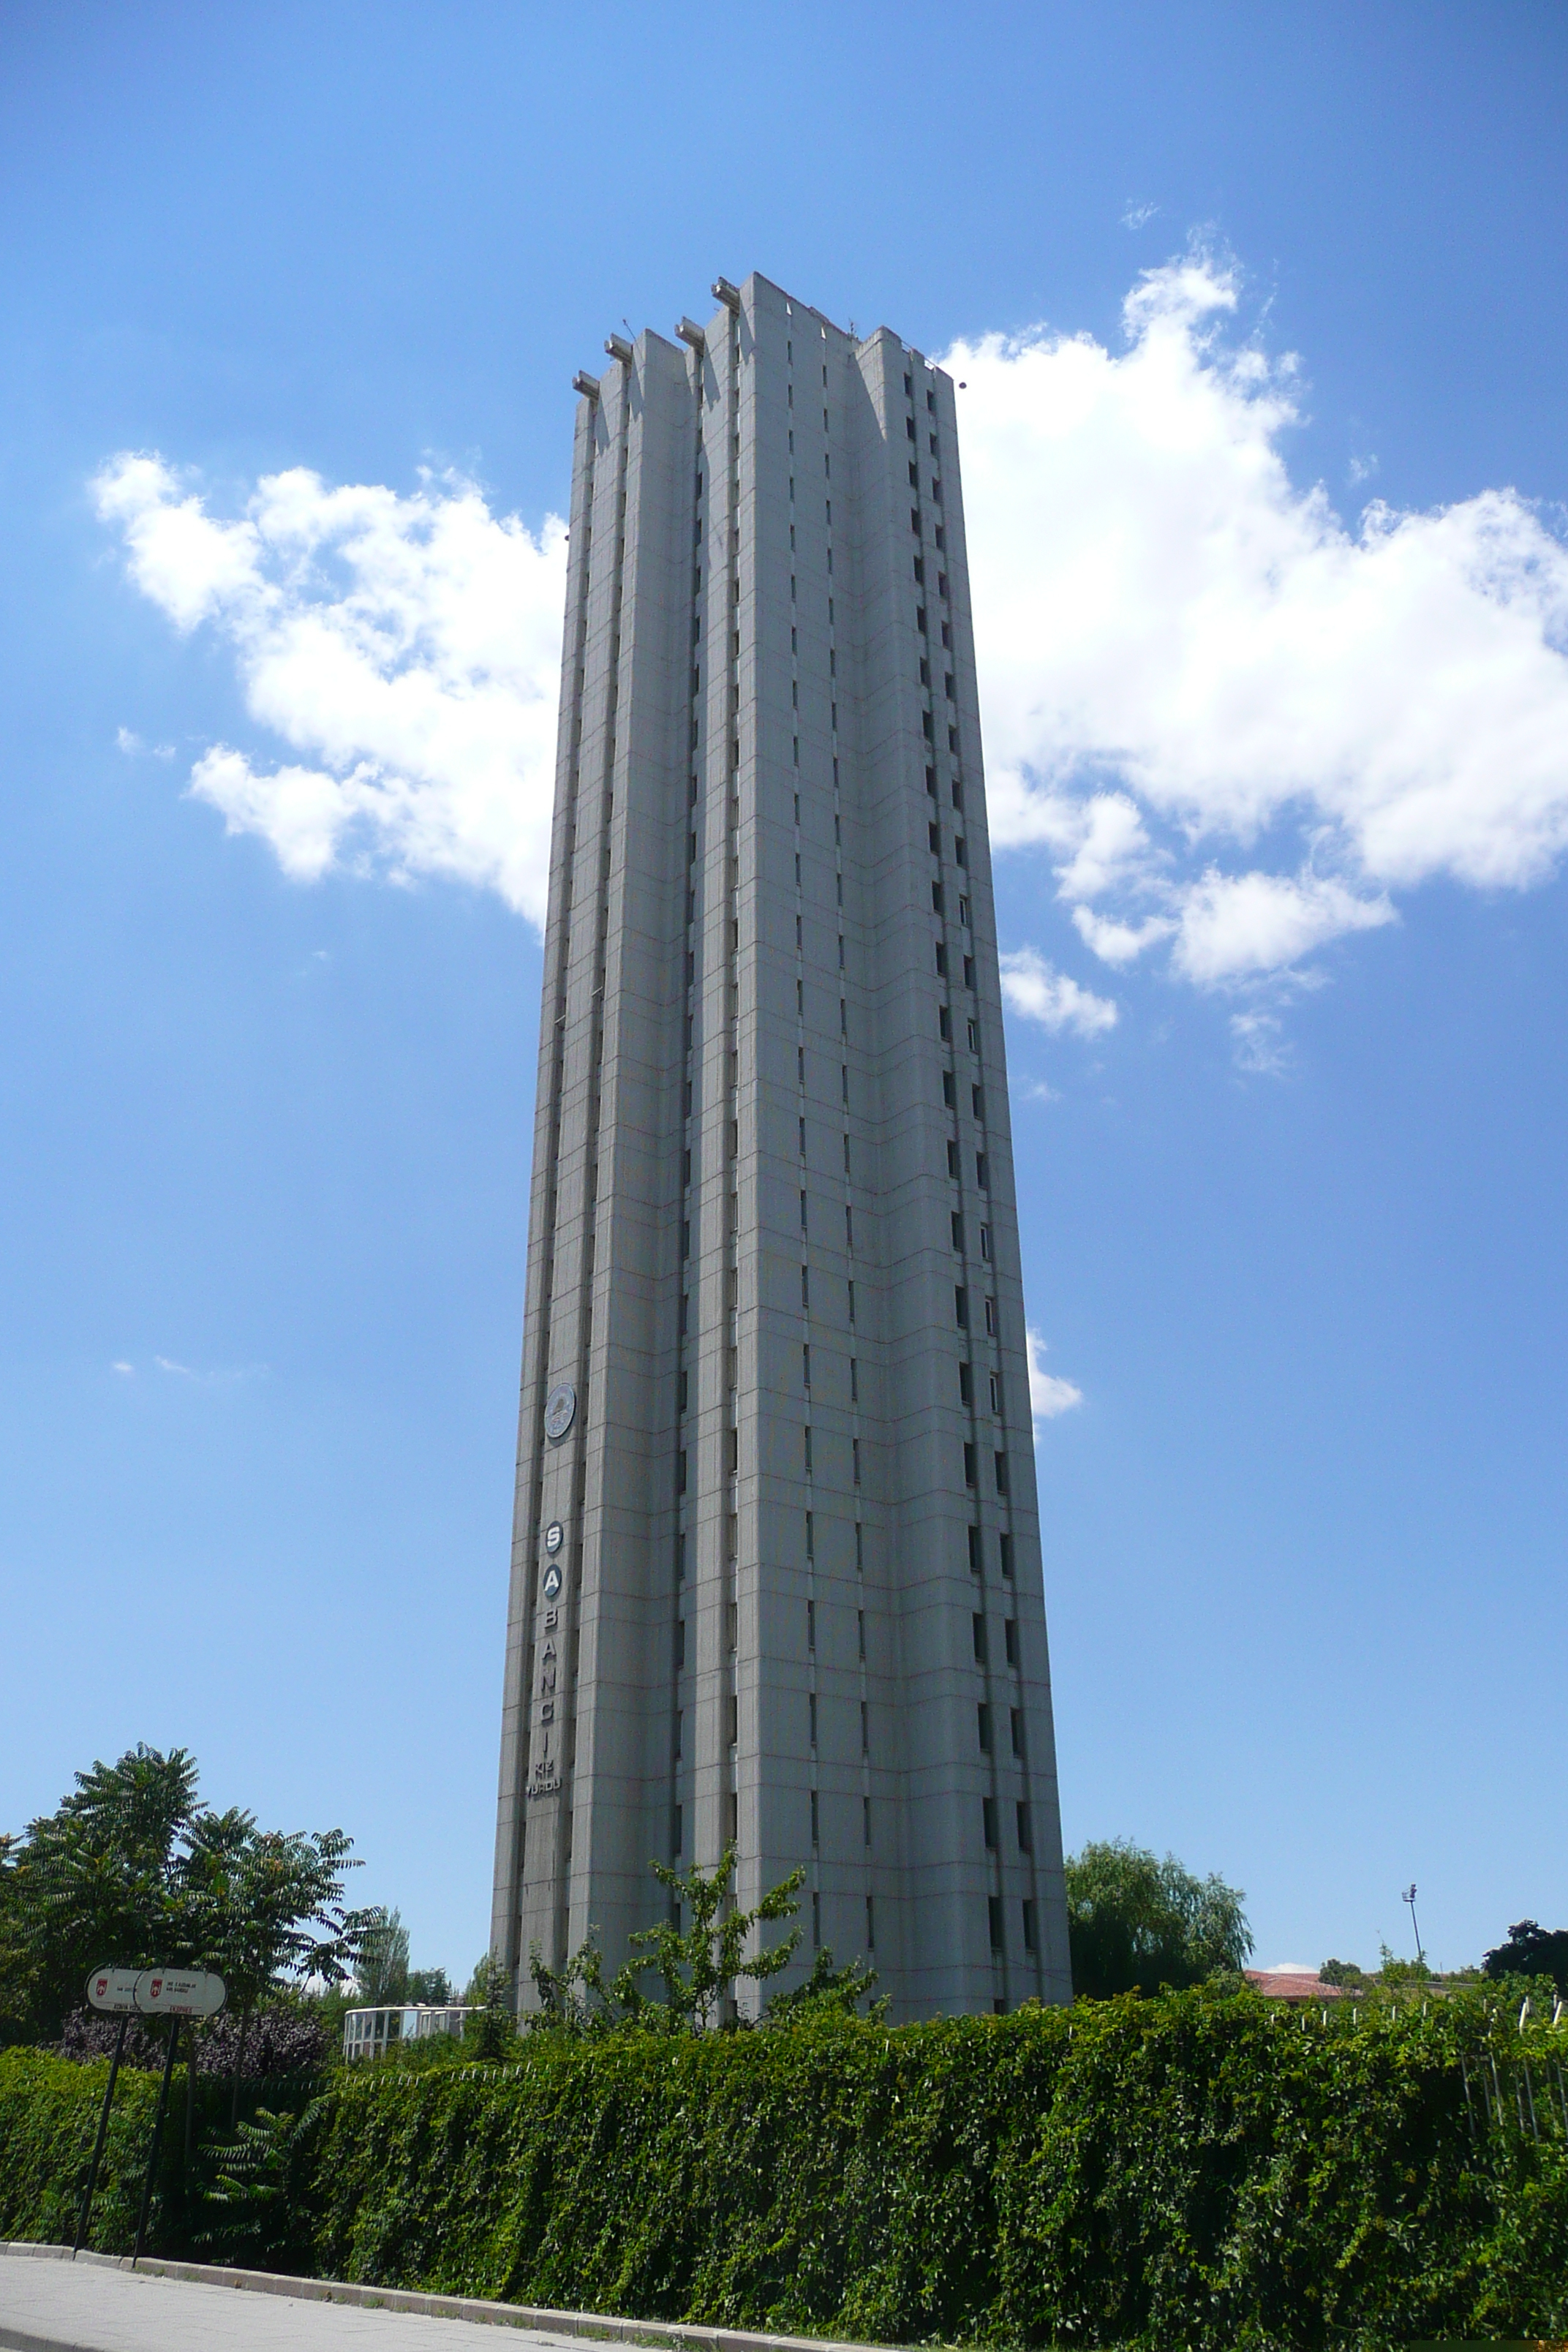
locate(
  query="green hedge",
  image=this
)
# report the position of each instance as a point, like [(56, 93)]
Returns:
[(1202, 2169)]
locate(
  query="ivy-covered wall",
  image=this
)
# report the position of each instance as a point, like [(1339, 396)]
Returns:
[(1201, 2170)]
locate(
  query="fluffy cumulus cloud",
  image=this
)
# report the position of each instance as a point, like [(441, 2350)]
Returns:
[(1237, 725), (406, 650), (1184, 658), (1049, 1394), (1035, 988)]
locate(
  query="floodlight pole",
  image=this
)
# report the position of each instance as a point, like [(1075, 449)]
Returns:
[(1409, 1897)]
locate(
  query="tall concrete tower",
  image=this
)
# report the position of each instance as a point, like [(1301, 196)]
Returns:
[(776, 1577)]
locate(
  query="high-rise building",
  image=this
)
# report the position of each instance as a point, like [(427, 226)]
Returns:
[(776, 1576)]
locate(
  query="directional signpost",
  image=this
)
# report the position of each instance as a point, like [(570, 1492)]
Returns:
[(113, 1990), (173, 1993), (178, 1992)]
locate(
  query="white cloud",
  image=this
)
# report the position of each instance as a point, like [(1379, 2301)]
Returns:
[(122, 1368), (1049, 1394), (214, 1380), (1234, 926), (1259, 1045), (1183, 654), (1116, 942), (1137, 215), (408, 648), (1238, 725), (1034, 988)]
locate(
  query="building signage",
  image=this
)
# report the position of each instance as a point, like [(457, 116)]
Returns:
[(552, 1581), (555, 1535), (560, 1411)]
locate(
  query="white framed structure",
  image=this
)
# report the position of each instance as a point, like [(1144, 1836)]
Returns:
[(372, 2033)]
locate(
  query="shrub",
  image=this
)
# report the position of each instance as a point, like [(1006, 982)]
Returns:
[(1202, 2169)]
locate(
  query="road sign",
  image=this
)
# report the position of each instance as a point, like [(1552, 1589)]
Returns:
[(178, 1992), (113, 1990)]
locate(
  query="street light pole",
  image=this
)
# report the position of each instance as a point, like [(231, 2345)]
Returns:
[(1408, 1895)]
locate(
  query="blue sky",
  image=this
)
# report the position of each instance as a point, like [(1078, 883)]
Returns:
[(1280, 797)]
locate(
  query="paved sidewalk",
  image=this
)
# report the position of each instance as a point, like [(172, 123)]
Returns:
[(94, 2306)]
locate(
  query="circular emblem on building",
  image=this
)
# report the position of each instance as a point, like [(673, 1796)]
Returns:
[(552, 1581), (560, 1410), (555, 1535)]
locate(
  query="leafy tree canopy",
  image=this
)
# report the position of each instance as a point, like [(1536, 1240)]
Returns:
[(132, 1868), (1531, 1950), (1136, 1923), (381, 1969), (697, 1966)]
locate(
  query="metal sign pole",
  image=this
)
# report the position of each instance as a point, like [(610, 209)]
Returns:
[(86, 2213), (157, 2136)]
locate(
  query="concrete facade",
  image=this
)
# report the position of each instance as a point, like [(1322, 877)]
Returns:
[(796, 1604)]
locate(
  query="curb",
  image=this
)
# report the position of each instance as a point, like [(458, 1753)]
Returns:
[(675, 2336)]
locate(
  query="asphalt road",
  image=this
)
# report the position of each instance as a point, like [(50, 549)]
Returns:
[(63, 2306)]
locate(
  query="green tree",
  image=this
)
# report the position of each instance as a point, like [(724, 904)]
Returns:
[(431, 1986), (1531, 1951), (381, 1968), (698, 1965), (97, 1880), (1136, 1923), (828, 1989), (265, 1908), (492, 2031), (131, 1868)]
